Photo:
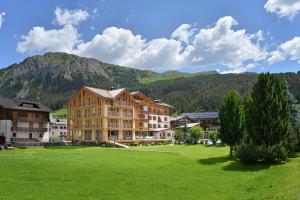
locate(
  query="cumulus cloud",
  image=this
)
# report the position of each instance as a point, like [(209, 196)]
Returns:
[(289, 49), (39, 40), (283, 8), (187, 46), (183, 33), (223, 45), (2, 14), (70, 17)]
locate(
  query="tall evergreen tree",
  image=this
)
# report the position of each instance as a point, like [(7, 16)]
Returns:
[(268, 117), (231, 120)]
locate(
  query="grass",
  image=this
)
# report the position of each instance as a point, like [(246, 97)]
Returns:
[(61, 113), (170, 75), (152, 172)]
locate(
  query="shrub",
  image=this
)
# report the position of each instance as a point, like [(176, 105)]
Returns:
[(178, 135), (214, 136), (196, 133), (275, 153), (248, 153)]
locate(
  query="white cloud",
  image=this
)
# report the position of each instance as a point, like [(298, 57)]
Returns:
[(183, 33), (2, 14), (221, 45), (40, 40), (290, 49), (70, 17), (218, 45), (283, 8)]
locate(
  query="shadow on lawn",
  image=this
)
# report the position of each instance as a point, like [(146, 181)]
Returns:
[(213, 160), (67, 147), (238, 166)]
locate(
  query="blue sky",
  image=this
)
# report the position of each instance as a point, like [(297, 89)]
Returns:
[(191, 36)]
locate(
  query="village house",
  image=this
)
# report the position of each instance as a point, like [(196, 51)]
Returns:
[(58, 129), (22, 121), (117, 115), (209, 121)]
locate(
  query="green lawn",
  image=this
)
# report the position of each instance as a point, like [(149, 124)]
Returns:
[(154, 172)]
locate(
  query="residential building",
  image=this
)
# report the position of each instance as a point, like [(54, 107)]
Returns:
[(180, 120), (22, 121), (58, 129), (116, 115), (209, 121)]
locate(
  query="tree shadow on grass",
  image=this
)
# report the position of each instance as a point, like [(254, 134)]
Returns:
[(238, 166), (213, 160), (67, 147)]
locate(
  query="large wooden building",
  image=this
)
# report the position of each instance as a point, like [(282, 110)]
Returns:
[(23, 121), (116, 115)]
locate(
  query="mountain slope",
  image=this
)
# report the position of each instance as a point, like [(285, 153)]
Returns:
[(53, 78)]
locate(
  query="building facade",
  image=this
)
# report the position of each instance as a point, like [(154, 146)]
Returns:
[(58, 129), (22, 121), (116, 115)]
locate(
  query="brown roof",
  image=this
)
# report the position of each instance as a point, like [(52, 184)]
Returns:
[(19, 104), (107, 93)]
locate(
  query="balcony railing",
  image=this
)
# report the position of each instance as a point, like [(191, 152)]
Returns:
[(121, 103), (127, 114), (114, 114), (113, 125), (127, 126)]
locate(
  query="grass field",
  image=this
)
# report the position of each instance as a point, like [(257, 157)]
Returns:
[(153, 172)]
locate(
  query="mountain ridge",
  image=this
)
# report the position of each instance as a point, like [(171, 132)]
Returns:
[(53, 78)]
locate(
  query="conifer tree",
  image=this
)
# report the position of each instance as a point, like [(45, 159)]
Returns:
[(231, 120)]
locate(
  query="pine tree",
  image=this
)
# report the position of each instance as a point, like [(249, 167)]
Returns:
[(231, 120), (268, 118)]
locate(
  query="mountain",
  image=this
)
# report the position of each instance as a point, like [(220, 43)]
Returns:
[(53, 78)]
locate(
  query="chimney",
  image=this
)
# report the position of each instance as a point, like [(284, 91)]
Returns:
[(157, 100)]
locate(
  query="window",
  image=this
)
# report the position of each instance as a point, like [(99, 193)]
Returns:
[(41, 134), (14, 135), (154, 117), (150, 117), (88, 135), (154, 125), (150, 125), (166, 119), (36, 115), (165, 126), (61, 127)]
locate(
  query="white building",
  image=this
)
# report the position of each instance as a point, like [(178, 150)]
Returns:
[(58, 129)]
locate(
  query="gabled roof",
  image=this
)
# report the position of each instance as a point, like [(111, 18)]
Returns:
[(180, 117), (106, 93), (202, 115), (19, 104)]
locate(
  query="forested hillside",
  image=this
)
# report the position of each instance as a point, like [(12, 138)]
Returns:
[(54, 77)]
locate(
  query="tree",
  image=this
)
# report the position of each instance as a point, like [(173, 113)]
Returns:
[(231, 120), (196, 133), (214, 136), (268, 118), (178, 135)]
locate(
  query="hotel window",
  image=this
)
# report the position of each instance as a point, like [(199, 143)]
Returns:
[(88, 135)]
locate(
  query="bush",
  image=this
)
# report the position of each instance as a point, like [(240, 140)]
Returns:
[(248, 153), (275, 153), (178, 135), (214, 136), (196, 133)]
